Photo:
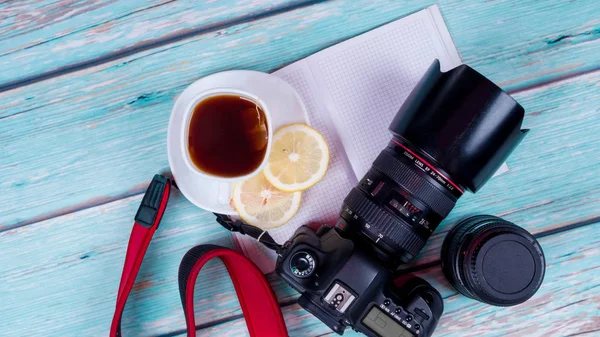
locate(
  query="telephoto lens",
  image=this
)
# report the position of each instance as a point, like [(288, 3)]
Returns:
[(451, 135), (493, 261)]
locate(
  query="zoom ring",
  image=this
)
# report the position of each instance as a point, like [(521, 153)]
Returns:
[(398, 232), (417, 185)]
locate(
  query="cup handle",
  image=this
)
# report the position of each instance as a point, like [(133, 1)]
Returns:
[(224, 193)]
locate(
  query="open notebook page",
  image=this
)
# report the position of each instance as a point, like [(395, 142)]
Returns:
[(352, 91), (366, 80)]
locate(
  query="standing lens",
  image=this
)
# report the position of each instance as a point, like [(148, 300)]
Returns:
[(493, 261)]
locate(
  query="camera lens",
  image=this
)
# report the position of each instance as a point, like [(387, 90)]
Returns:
[(302, 264), (451, 135), (493, 261)]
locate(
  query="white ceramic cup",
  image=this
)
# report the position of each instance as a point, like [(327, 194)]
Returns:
[(224, 182)]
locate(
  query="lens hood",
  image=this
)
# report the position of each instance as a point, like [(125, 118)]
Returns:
[(461, 120)]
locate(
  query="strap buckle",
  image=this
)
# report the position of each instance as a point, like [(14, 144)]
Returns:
[(229, 224), (243, 228), (152, 201)]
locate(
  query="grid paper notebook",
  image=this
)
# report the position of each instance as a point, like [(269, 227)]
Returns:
[(352, 91)]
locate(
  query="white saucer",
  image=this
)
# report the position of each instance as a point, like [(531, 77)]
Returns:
[(285, 106)]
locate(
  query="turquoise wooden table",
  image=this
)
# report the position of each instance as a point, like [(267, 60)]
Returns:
[(86, 89)]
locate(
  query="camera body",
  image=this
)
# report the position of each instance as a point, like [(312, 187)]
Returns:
[(345, 286), (450, 136)]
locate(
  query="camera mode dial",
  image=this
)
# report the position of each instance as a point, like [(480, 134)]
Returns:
[(302, 264)]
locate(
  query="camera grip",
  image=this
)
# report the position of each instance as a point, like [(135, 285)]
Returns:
[(422, 299)]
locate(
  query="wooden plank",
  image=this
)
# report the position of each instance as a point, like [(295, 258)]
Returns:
[(72, 263), (57, 242), (44, 37), (113, 117), (98, 235), (567, 304), (48, 37), (552, 180), (60, 277)]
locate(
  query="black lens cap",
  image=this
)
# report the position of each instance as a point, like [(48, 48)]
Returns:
[(493, 261)]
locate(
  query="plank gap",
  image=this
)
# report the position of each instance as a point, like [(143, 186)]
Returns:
[(202, 326), (584, 332), (553, 80), (542, 234), (199, 327), (95, 202), (159, 42)]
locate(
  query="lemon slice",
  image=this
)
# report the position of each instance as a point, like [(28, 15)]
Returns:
[(260, 204), (299, 158)]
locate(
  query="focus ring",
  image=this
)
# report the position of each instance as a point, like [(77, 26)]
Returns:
[(399, 232), (417, 185)]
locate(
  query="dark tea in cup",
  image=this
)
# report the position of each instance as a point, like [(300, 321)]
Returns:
[(227, 136)]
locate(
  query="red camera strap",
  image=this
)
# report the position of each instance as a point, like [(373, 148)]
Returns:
[(259, 304)]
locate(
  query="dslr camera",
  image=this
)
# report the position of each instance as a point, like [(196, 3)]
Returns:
[(451, 135)]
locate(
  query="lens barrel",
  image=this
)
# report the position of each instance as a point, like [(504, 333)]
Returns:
[(399, 205), (394, 236), (414, 182)]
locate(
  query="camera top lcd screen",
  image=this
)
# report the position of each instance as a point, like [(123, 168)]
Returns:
[(383, 325)]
